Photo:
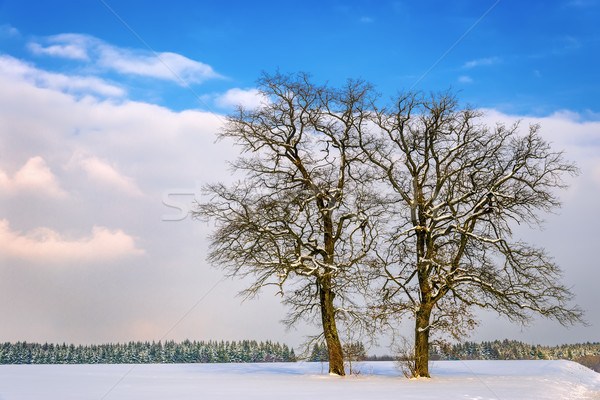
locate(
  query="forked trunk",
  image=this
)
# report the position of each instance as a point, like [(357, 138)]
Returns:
[(422, 342), (336, 357)]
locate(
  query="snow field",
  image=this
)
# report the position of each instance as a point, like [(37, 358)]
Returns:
[(473, 380)]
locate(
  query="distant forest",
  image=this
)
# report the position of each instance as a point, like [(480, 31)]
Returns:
[(513, 350), (587, 354), (248, 351)]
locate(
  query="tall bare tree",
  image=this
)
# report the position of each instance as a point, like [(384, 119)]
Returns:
[(301, 218), (460, 187)]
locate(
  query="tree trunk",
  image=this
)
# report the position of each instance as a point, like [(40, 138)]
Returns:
[(422, 341), (336, 357)]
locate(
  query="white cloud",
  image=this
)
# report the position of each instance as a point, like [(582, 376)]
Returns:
[(34, 176), (49, 246), (101, 171), (7, 30), (66, 51), (161, 65), (15, 69), (66, 45), (167, 66), (248, 98), (153, 141), (482, 62), (565, 129), (465, 79), (569, 132)]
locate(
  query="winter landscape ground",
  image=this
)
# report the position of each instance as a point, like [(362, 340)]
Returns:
[(377, 380)]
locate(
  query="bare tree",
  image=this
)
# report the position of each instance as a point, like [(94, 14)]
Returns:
[(302, 217), (460, 187)]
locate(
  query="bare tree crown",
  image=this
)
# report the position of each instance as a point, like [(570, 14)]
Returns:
[(411, 203)]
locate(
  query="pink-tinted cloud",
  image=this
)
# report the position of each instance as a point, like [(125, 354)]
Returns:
[(48, 246), (104, 173), (34, 176)]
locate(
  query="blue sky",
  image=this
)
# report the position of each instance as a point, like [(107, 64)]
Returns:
[(523, 57), (108, 114)]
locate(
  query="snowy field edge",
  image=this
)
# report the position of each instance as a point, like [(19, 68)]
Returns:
[(539, 379)]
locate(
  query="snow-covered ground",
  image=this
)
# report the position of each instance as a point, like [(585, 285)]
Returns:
[(286, 381)]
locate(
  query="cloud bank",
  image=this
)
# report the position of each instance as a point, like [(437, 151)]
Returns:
[(100, 169)]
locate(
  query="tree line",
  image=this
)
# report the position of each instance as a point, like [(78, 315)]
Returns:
[(587, 354), (513, 350), (486, 350), (363, 213), (246, 351)]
